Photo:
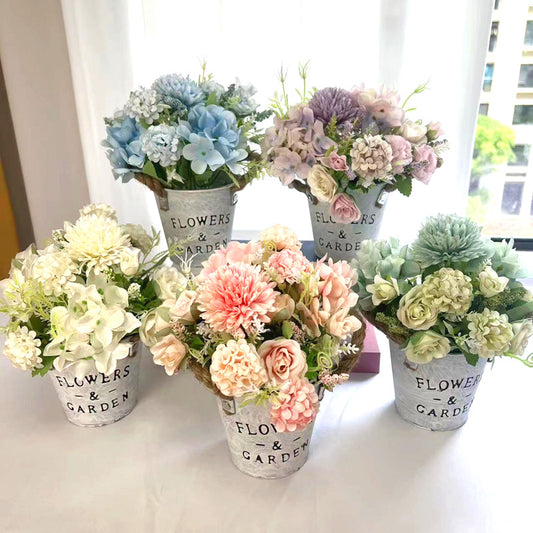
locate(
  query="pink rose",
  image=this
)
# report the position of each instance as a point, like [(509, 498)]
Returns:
[(426, 163), (344, 210), (341, 324), (312, 317), (335, 161), (335, 294), (402, 153), (435, 130), (283, 359), (182, 309), (169, 352)]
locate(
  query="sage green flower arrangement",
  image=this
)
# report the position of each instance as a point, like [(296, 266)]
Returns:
[(451, 290)]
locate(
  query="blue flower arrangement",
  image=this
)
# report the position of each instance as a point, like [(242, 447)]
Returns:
[(187, 134)]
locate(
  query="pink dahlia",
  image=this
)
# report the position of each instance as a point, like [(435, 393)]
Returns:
[(288, 266), (235, 252), (296, 406), (235, 297)]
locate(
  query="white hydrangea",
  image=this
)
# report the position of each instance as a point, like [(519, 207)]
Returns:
[(103, 210), (161, 144), (490, 333), (22, 347), (144, 104), (53, 270), (371, 158)]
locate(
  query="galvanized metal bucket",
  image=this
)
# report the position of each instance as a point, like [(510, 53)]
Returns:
[(95, 399), (256, 448), (342, 241), (203, 218), (436, 395)]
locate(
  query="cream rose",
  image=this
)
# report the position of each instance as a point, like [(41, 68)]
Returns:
[(522, 331), (424, 346), (383, 290), (183, 308), (415, 312), (322, 184), (413, 132), (169, 352), (169, 281), (341, 324), (154, 324), (283, 359), (490, 283), (129, 261)]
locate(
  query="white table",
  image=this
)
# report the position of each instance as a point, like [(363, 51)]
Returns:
[(165, 468)]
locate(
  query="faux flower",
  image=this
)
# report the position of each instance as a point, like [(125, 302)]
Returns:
[(425, 346), (334, 291), (323, 185), (448, 240), (287, 266), (522, 331), (183, 308), (344, 210), (295, 407), (283, 360), (371, 158), (312, 317), (424, 163), (138, 237), (282, 237), (241, 101), (402, 152), (342, 324), (504, 258), (287, 165), (335, 161), (161, 144), (202, 154), (54, 269), (341, 269), (169, 352), (490, 333), (169, 281), (178, 92), (101, 210), (23, 349), (234, 252), (434, 130), (144, 105), (95, 241), (333, 102), (383, 107), (449, 290), (383, 290), (490, 283), (129, 261), (235, 297), (415, 312), (155, 324), (284, 307), (413, 132), (124, 148), (236, 368)]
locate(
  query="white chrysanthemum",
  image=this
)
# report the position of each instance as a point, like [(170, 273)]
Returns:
[(95, 241), (103, 210), (53, 270), (22, 348), (144, 104), (490, 333)]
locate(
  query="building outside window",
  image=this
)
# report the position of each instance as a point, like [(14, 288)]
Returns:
[(521, 155), (487, 80), (528, 38), (526, 76), (523, 114), (483, 109), (493, 36)]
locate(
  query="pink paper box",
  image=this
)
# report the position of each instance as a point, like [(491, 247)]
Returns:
[(370, 356)]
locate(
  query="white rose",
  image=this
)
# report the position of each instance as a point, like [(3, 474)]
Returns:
[(322, 184), (425, 346), (129, 261), (383, 290), (169, 281), (415, 311), (490, 283), (522, 331), (413, 132), (153, 324)]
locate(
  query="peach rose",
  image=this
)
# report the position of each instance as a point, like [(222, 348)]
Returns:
[(282, 237), (335, 293), (183, 308), (169, 352), (341, 324), (312, 317), (283, 359), (284, 307)]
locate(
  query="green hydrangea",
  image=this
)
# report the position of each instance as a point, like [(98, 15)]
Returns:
[(504, 259), (449, 290)]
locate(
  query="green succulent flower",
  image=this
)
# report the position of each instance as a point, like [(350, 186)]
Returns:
[(504, 259)]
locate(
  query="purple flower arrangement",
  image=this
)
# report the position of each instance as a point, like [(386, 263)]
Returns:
[(336, 144)]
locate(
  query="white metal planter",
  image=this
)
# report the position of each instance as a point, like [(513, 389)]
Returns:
[(203, 218), (256, 448), (94, 399), (342, 241), (437, 395)]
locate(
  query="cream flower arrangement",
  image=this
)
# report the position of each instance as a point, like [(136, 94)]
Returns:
[(450, 291), (260, 322), (78, 302)]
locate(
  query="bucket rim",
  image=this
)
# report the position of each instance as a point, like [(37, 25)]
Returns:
[(196, 191)]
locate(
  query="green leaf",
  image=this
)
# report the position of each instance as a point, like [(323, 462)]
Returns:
[(47, 365), (405, 185), (287, 329), (471, 358), (211, 99), (520, 312), (149, 170)]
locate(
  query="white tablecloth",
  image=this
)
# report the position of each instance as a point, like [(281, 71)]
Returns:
[(165, 468)]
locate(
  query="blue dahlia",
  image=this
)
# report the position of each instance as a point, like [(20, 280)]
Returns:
[(178, 92), (125, 151)]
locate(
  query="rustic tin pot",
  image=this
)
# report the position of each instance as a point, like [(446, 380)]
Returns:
[(202, 218), (94, 400), (256, 448), (436, 395), (342, 241)]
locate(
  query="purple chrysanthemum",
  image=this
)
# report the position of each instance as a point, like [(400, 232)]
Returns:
[(330, 102)]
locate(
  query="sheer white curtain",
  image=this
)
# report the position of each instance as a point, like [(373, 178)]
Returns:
[(115, 46)]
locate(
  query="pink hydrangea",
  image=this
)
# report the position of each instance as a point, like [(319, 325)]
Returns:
[(426, 163), (335, 162), (288, 265), (296, 406), (236, 297), (235, 252), (402, 152)]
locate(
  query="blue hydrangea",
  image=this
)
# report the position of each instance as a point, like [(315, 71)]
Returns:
[(124, 148), (212, 87), (178, 92), (161, 144)]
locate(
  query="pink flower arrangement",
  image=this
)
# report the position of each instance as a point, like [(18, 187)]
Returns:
[(336, 144), (263, 319)]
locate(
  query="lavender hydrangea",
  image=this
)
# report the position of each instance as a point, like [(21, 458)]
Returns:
[(179, 92), (162, 144), (333, 102)]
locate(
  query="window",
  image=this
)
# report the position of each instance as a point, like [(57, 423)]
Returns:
[(494, 35), (483, 109), (523, 114), (496, 4), (521, 153), (512, 198), (487, 80), (528, 38), (526, 76)]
